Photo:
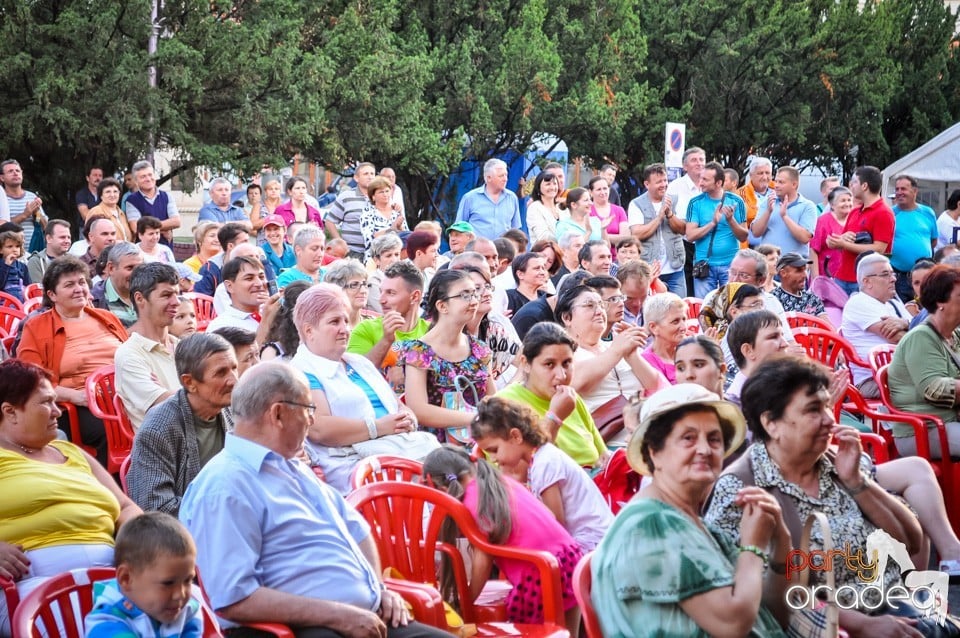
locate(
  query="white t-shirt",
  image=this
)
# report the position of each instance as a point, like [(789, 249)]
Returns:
[(681, 191), (635, 218), (945, 226), (234, 318), (164, 255), (587, 515), (608, 388), (861, 312)]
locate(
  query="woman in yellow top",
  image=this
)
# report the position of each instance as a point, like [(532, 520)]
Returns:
[(205, 239), (60, 508)]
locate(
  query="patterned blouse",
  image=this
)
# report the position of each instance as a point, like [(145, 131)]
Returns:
[(442, 374), (372, 222), (849, 527)]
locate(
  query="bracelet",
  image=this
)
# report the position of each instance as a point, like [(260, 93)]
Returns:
[(864, 484), (753, 549), (550, 416), (371, 428)]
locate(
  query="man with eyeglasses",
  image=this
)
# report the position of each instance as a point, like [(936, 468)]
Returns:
[(183, 432), (792, 293), (874, 316), (613, 302)]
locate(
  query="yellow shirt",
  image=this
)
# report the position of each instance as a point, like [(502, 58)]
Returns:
[(45, 505)]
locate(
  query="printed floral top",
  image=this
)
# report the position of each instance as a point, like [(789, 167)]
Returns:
[(442, 374), (372, 222)]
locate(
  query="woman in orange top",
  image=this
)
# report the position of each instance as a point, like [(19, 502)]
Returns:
[(71, 340), (109, 193)]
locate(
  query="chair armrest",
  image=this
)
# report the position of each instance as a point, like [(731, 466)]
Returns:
[(274, 628), (548, 566), (11, 594), (74, 419), (424, 599), (875, 446)]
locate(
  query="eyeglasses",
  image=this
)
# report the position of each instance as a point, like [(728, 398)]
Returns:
[(466, 295), (355, 285), (614, 300), (739, 274), (755, 305), (310, 407), (484, 288), (592, 306), (886, 274)]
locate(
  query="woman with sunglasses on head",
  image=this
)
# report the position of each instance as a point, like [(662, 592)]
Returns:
[(447, 364), (543, 213)]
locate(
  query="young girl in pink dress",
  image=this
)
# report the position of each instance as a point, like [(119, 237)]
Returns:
[(510, 515)]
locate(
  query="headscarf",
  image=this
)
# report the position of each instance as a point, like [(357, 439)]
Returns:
[(714, 314)]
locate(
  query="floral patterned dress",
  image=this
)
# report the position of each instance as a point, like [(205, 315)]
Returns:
[(442, 374)]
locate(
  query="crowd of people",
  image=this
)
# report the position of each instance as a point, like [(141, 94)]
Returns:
[(508, 366)]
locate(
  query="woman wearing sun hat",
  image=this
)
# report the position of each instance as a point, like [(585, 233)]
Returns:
[(660, 570)]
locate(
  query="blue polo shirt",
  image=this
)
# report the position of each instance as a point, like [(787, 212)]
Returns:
[(213, 213), (490, 219), (700, 210), (913, 232), (803, 212)]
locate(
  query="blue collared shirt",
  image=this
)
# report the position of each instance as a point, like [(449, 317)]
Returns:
[(260, 520), (490, 219), (210, 212), (802, 211)]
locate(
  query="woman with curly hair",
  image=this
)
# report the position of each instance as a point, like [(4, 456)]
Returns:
[(283, 339)]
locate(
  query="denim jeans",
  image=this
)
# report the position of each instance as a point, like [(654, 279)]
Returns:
[(676, 283), (849, 287), (716, 278)]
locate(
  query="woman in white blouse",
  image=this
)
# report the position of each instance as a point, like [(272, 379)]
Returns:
[(542, 211)]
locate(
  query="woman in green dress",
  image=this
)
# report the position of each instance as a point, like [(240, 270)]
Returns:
[(661, 570)]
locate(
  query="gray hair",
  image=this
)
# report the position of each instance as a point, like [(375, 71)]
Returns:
[(342, 271), (307, 235), (757, 162), (656, 307), (493, 164), (865, 263), (123, 249), (467, 257), (383, 243), (192, 353), (951, 260), (217, 181), (139, 166), (566, 239), (253, 395), (749, 253)]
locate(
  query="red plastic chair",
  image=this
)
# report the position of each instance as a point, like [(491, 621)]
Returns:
[(694, 304), (10, 319), (582, 582), (31, 304), (803, 320), (57, 607), (33, 291), (124, 470), (9, 301), (405, 520), (881, 355), (104, 404), (832, 350), (378, 468), (74, 420), (203, 306)]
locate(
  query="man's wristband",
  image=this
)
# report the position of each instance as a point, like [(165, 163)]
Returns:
[(371, 428)]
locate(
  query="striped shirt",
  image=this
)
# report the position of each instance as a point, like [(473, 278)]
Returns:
[(346, 213)]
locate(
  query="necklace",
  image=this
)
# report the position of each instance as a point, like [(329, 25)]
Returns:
[(23, 448)]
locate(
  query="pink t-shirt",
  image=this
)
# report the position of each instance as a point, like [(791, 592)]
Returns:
[(668, 369), (618, 216), (827, 225)]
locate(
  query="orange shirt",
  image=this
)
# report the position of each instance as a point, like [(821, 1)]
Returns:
[(89, 347)]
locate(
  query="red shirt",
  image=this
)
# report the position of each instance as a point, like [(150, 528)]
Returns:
[(876, 219)]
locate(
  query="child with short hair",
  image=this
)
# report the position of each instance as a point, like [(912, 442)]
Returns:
[(185, 321), (509, 433), (511, 516), (153, 594), (149, 230), (14, 276)]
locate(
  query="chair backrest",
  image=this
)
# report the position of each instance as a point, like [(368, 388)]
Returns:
[(803, 320), (31, 304), (406, 521), (57, 607), (9, 301), (104, 404), (881, 355), (203, 306), (582, 581), (10, 317), (828, 347), (33, 291), (694, 304), (124, 470), (377, 468)]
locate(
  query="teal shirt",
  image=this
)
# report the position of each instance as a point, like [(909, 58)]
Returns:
[(725, 245), (914, 235), (652, 558), (291, 275)]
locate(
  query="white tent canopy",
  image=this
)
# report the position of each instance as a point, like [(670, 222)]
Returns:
[(936, 165)]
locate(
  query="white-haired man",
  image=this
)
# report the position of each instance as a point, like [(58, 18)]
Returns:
[(874, 316), (491, 209)]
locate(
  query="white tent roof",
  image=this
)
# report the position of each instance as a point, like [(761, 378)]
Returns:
[(936, 163)]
